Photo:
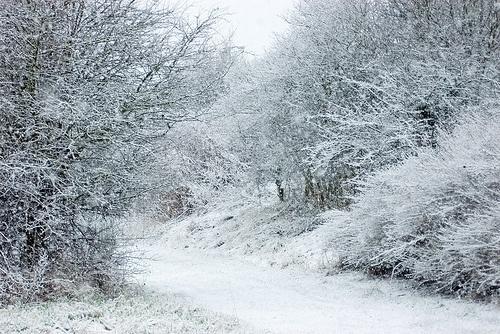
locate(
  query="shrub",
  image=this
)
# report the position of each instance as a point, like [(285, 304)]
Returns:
[(436, 217)]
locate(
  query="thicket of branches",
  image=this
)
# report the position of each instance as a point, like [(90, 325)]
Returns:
[(88, 91), (194, 168), (359, 85)]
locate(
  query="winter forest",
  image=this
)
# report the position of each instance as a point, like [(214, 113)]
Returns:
[(144, 155)]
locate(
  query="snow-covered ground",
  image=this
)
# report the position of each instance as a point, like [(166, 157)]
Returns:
[(133, 312), (268, 234), (251, 269), (294, 301)]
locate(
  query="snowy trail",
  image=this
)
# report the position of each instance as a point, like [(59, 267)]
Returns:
[(291, 302)]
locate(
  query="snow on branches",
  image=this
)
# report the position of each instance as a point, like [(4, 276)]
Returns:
[(88, 88)]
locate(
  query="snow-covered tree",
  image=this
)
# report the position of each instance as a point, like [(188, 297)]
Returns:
[(356, 86), (89, 88)]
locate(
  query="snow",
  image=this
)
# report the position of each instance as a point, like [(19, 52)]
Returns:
[(264, 233), (287, 301), (134, 311)]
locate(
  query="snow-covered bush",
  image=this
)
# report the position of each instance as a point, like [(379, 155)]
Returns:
[(436, 217)]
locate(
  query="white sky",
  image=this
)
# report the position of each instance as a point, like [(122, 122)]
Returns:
[(254, 22)]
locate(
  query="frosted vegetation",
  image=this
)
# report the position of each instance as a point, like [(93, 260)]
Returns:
[(134, 311), (375, 123)]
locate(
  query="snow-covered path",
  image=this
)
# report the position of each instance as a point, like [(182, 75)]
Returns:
[(293, 302)]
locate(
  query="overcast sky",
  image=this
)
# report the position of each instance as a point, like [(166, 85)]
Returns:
[(253, 21)]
